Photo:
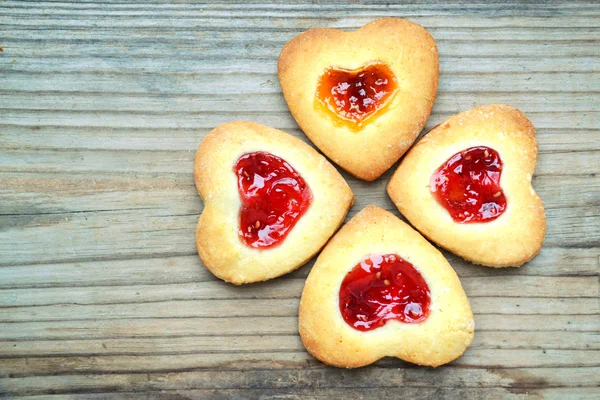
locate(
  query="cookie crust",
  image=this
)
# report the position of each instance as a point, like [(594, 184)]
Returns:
[(508, 241), (441, 338), (406, 48), (217, 240)]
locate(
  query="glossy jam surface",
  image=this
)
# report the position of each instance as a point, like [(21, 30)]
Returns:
[(468, 185), (355, 95), (381, 288), (274, 197)]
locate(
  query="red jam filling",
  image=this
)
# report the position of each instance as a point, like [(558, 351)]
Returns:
[(355, 95), (274, 197), (468, 185), (381, 288)]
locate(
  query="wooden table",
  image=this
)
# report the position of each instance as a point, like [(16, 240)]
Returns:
[(102, 107)]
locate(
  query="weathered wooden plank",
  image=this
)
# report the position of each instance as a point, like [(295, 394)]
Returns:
[(202, 122), (123, 234), (314, 380), (156, 365), (297, 8), (550, 82), (486, 286), (88, 369), (153, 129), (159, 161), (310, 378), (268, 48), (252, 325), (358, 393), (536, 104), (187, 269), (121, 64), (34, 193), (137, 36), (342, 19), (481, 6), (263, 343), (484, 340), (174, 309), (106, 138), (64, 237), (267, 307)]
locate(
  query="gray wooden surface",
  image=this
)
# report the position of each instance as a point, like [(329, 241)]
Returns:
[(102, 106)]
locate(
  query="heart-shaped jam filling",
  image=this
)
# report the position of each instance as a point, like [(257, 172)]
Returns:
[(352, 96), (381, 288), (274, 197), (468, 185)]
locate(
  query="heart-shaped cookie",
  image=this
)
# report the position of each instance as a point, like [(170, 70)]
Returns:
[(362, 97), (380, 289), (270, 202), (466, 185)]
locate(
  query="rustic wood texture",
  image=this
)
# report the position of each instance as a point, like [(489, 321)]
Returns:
[(102, 295)]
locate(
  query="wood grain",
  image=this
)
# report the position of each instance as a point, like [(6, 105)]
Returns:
[(102, 295)]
